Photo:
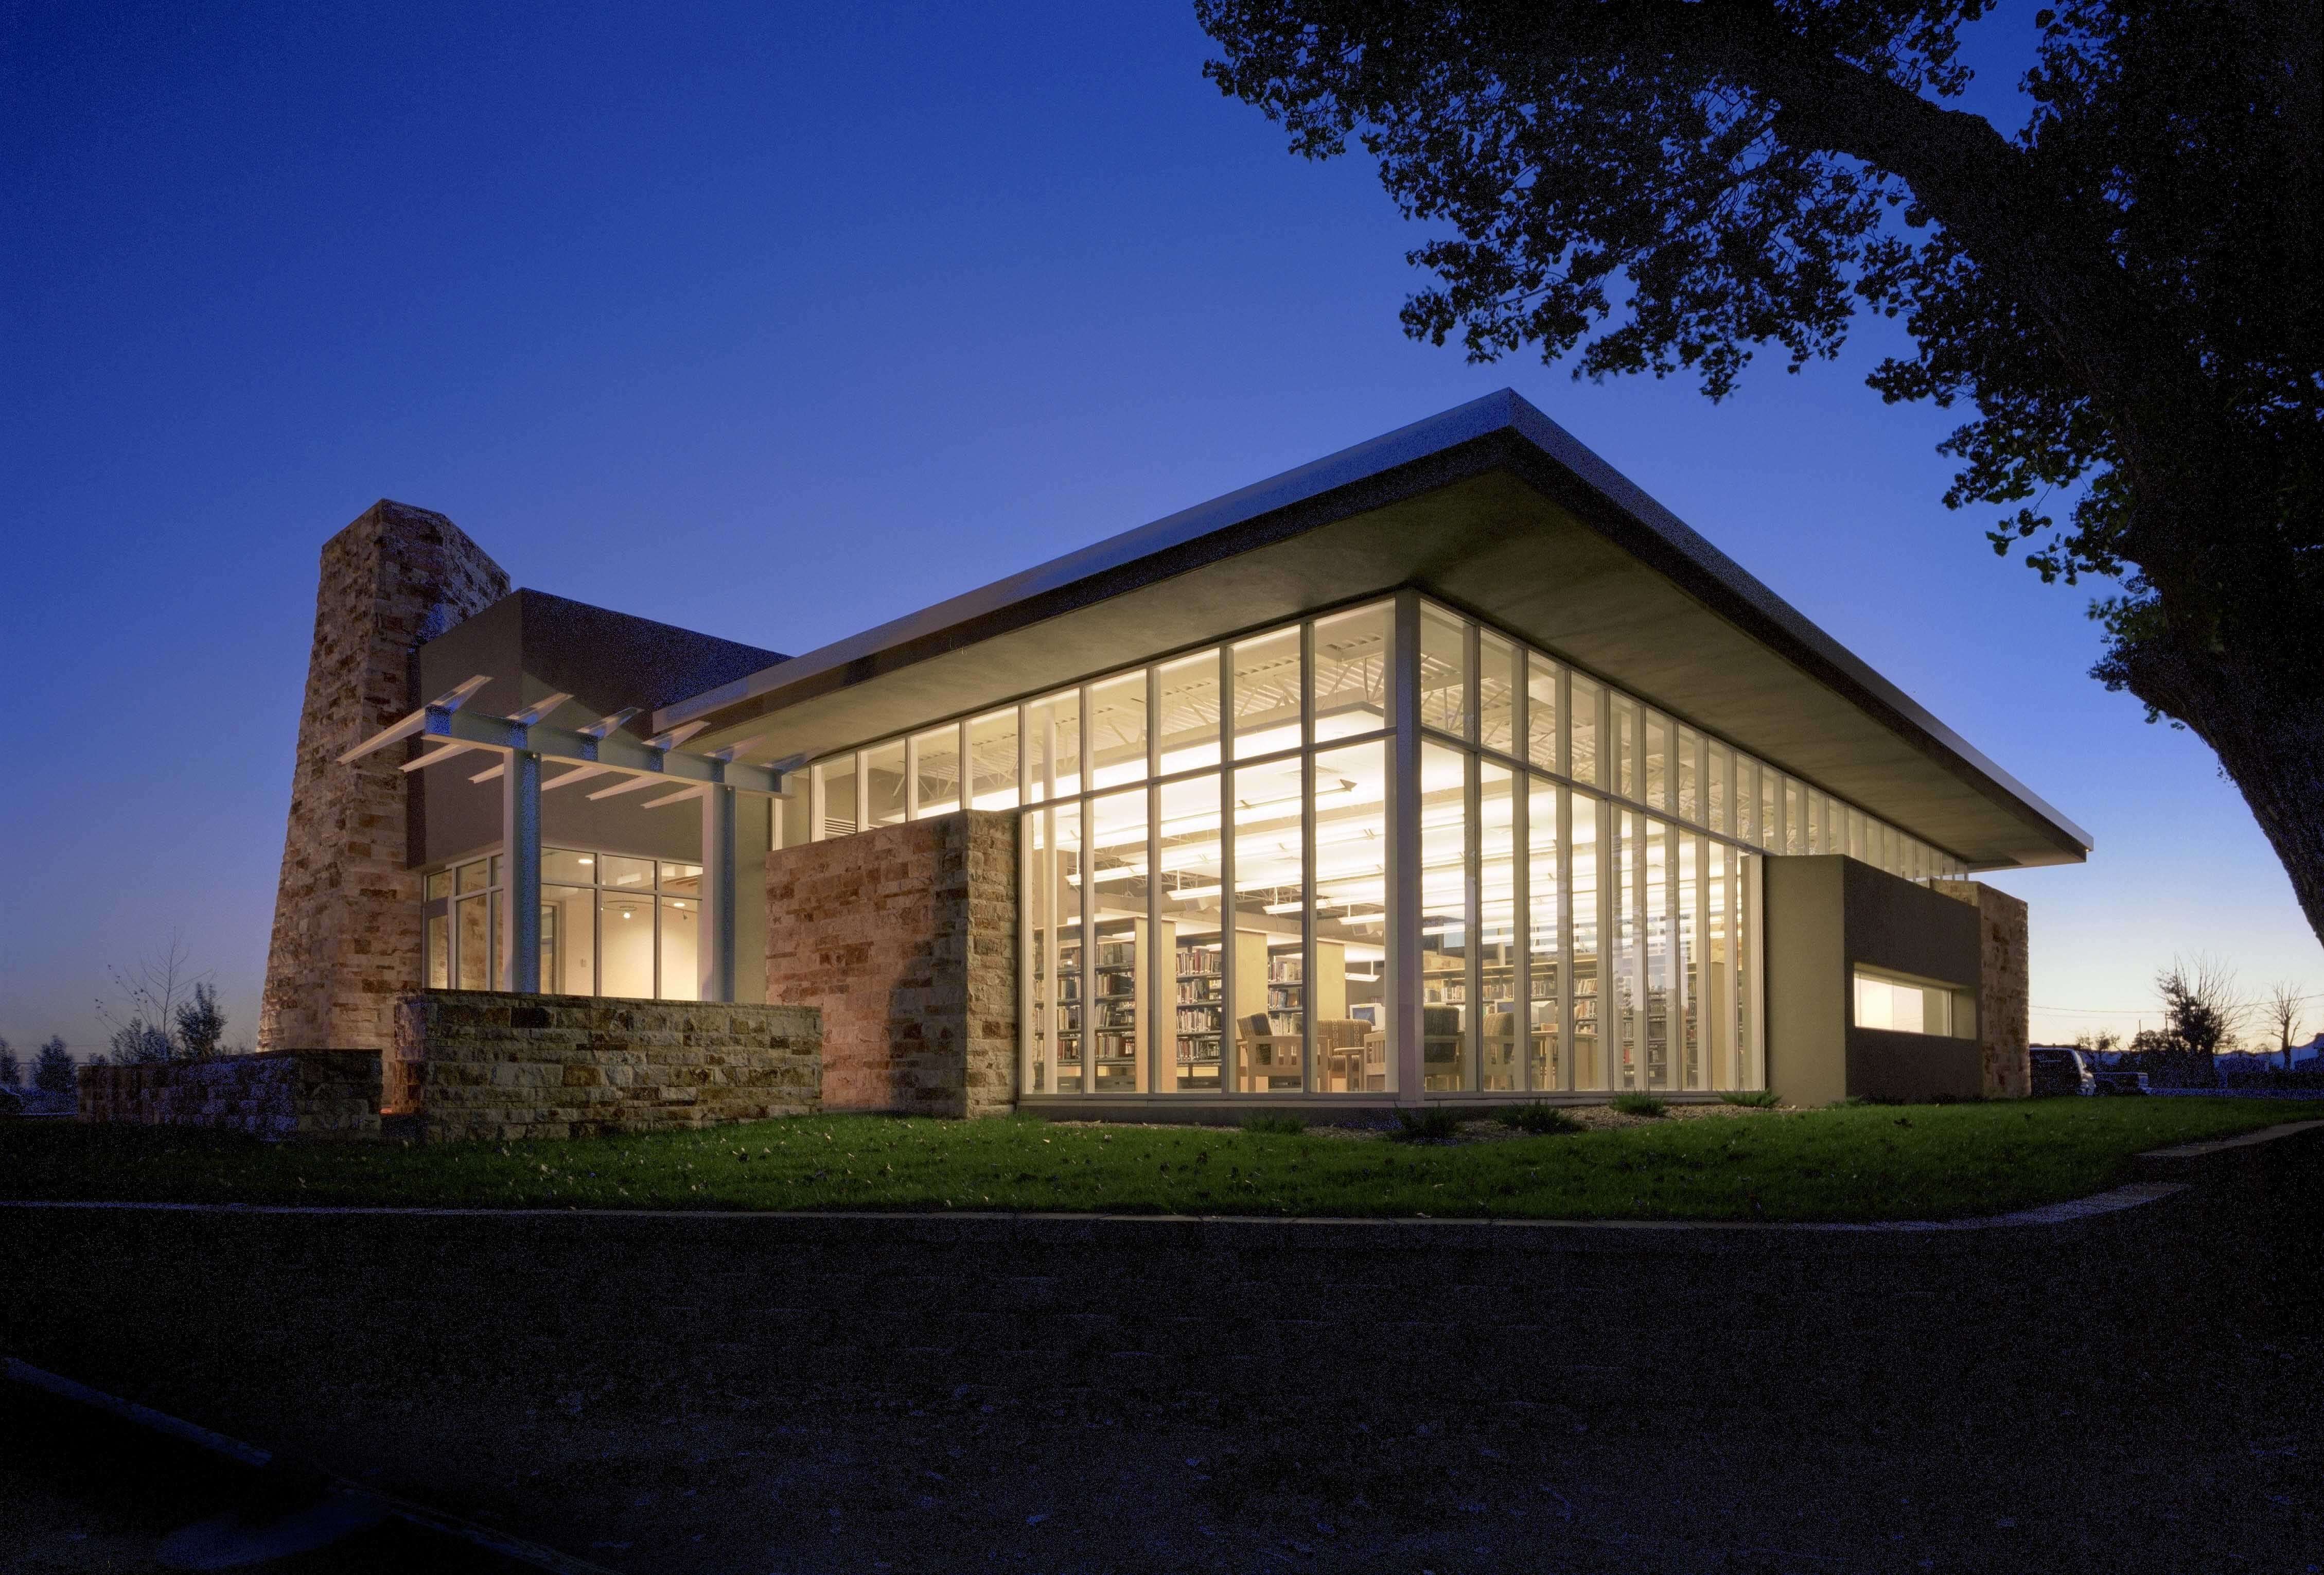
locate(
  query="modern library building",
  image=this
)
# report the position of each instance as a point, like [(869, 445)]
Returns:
[(1447, 768)]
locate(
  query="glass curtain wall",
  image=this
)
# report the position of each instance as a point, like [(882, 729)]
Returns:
[(1207, 847), (610, 925)]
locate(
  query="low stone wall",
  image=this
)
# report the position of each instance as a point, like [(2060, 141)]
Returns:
[(905, 939), (284, 1093), (479, 1064)]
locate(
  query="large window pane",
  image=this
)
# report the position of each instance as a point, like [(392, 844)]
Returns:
[(1658, 760), (1587, 699), (568, 946), (1270, 900), (1053, 746), (1660, 958), (1498, 678), (474, 969), (1717, 969), (885, 788), (1715, 790), (626, 873), (1054, 937), (1446, 1009), (1352, 920), (1585, 866), (1541, 712), (1189, 719), (1686, 982), (1352, 672), (835, 798), (563, 868), (1121, 955), (1117, 720), (439, 951), (1267, 688), (992, 761), (681, 934), (1444, 702), (1686, 802), (1193, 904), (790, 825), (1545, 953), (1901, 1005), (1627, 942), (625, 948), (936, 772), (1496, 929), (1630, 746)]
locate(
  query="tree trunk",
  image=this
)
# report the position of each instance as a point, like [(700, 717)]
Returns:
[(2269, 737)]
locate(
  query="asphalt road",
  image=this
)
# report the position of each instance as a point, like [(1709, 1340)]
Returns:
[(2160, 1424)]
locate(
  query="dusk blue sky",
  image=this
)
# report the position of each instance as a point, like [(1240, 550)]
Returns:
[(776, 322)]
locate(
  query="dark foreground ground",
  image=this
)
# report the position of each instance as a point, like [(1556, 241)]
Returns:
[(2157, 1409)]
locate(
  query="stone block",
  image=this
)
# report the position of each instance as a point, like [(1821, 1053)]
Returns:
[(607, 1066), (905, 939)]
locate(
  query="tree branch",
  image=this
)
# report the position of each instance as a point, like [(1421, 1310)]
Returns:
[(2039, 243)]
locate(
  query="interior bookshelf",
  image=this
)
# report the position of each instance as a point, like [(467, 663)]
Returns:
[(1201, 1010), (1119, 967)]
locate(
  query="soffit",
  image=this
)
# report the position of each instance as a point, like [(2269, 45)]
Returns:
[(1491, 507)]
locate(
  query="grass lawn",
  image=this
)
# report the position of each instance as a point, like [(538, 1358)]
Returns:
[(1930, 1162)]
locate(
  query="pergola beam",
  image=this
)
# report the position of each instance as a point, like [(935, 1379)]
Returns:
[(567, 747), (525, 742)]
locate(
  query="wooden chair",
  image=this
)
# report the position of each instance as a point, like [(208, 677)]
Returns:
[(1340, 1048), (1268, 1057), (1500, 1071), (1440, 1047)]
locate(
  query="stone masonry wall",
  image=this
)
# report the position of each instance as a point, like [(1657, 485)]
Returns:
[(905, 937), (346, 917), (484, 1064), (287, 1093), (2004, 1021)]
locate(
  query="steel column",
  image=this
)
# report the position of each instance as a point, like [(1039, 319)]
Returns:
[(521, 870), (1404, 852), (715, 959)]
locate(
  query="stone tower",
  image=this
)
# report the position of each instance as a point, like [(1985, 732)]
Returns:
[(346, 912)]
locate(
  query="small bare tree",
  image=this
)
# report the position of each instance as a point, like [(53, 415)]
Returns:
[(149, 1006), (2202, 1013), (2282, 1012), (2201, 1003)]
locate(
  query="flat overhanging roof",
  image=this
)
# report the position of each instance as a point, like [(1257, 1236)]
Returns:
[(1490, 506)]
